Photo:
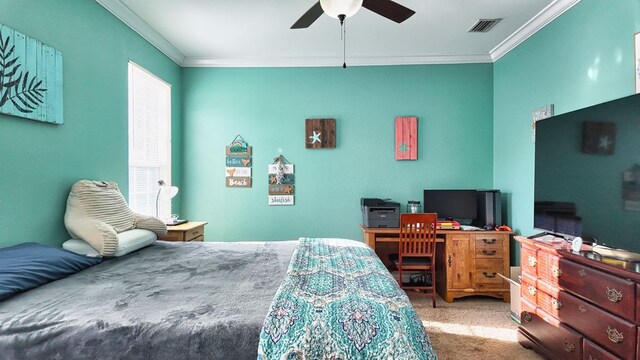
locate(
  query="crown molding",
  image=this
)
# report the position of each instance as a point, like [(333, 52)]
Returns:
[(544, 17), (337, 61), (122, 12)]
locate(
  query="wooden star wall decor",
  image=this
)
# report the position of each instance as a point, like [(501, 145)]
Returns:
[(406, 138), (598, 137), (320, 133)]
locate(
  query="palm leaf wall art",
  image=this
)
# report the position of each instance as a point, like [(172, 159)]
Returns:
[(30, 78)]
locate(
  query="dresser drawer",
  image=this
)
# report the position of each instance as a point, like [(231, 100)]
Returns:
[(610, 292), (560, 340), (173, 236), (528, 288), (489, 246), (486, 275), (194, 233), (197, 238), (591, 351), (548, 267), (609, 331), (529, 260)]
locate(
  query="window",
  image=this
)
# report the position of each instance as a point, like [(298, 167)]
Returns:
[(149, 142)]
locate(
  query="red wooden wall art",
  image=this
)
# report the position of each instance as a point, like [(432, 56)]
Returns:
[(407, 138)]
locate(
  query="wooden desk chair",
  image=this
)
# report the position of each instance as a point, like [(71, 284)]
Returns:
[(417, 251)]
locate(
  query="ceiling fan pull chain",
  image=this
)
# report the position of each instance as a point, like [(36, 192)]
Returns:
[(344, 45), (343, 37)]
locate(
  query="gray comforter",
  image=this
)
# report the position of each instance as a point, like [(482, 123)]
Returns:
[(167, 301)]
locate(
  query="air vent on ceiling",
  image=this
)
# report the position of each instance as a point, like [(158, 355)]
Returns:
[(483, 25)]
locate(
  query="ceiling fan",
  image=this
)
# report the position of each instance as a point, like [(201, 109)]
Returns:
[(341, 9)]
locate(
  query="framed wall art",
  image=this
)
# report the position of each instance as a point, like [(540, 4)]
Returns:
[(320, 133), (406, 138), (30, 78)]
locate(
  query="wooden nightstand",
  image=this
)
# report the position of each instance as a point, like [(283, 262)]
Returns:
[(189, 231)]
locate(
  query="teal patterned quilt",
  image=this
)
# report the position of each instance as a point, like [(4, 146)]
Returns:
[(338, 301)]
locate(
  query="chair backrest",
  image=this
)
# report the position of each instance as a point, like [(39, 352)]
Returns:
[(417, 234)]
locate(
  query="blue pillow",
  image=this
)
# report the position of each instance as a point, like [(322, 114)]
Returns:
[(29, 265)]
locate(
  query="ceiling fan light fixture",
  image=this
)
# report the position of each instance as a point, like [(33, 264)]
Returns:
[(334, 8)]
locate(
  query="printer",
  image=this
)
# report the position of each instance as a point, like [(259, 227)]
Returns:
[(378, 213)]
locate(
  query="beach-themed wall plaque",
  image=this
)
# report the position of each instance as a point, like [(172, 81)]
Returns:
[(30, 78), (320, 133), (281, 182), (238, 163), (406, 138)]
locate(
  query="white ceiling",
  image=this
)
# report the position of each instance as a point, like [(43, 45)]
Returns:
[(257, 32)]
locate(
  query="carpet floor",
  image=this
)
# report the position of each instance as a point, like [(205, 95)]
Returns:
[(471, 328)]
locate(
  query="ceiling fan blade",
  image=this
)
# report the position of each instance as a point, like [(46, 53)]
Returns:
[(389, 9), (309, 17)]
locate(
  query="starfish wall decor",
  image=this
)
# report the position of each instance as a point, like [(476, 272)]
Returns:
[(320, 133)]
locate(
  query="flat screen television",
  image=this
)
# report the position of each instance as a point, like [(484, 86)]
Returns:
[(459, 205), (587, 174)]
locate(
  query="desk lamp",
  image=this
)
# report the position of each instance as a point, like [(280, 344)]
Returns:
[(169, 191)]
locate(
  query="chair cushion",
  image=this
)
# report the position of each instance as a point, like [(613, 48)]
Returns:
[(128, 241), (413, 261)]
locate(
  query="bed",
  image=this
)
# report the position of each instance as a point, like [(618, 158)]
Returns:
[(199, 301)]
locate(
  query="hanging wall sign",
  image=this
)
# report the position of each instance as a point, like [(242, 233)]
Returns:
[(288, 168), (238, 161), (30, 78), (238, 171), (243, 182), (320, 133), (238, 164), (407, 138), (281, 179), (281, 200), (284, 179), (281, 189)]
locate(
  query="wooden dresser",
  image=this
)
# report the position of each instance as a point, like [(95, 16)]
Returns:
[(574, 307)]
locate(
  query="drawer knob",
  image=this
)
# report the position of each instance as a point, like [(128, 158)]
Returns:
[(532, 290), (614, 335), (489, 252), (614, 295), (492, 275), (568, 346), (489, 241), (526, 316), (582, 309), (582, 273), (556, 271), (532, 261), (556, 304)]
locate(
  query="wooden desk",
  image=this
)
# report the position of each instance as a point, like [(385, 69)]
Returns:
[(189, 231), (467, 262)]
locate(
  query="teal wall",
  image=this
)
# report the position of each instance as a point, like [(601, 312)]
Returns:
[(584, 57), (39, 162), (474, 127), (268, 107)]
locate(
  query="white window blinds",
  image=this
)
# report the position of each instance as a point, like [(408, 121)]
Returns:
[(149, 142)]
